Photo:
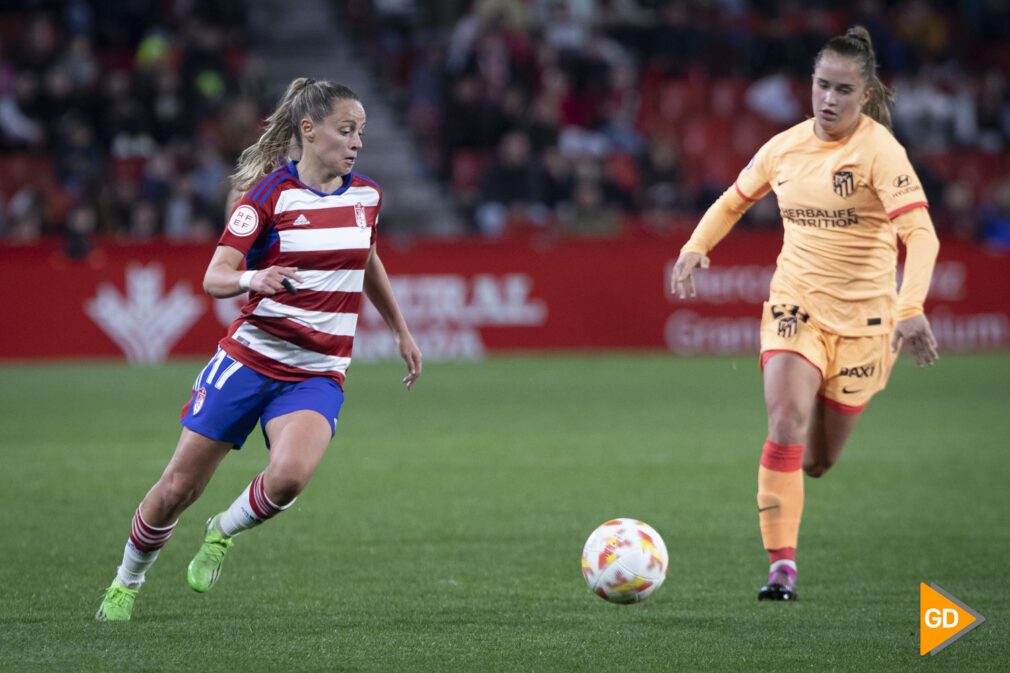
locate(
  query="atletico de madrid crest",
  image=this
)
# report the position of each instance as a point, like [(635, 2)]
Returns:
[(359, 215), (845, 184), (788, 316), (201, 395)]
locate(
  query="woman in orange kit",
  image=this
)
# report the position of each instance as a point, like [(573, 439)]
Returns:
[(834, 321)]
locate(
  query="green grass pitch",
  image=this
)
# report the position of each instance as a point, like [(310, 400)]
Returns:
[(443, 530)]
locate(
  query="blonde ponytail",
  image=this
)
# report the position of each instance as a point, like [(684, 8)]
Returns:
[(305, 97), (856, 44)]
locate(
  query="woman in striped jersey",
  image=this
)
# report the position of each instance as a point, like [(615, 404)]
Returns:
[(301, 242)]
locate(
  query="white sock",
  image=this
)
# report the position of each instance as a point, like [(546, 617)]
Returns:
[(783, 563), (135, 564), (249, 510), (141, 551)]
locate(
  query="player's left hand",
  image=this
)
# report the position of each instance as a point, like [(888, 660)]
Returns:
[(682, 278), (915, 331), (411, 354)]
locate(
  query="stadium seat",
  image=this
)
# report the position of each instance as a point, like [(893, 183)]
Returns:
[(467, 168), (22, 169)]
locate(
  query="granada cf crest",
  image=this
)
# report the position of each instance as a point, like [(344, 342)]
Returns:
[(789, 317), (359, 215), (198, 399), (845, 184)]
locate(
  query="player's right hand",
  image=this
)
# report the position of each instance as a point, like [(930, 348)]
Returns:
[(917, 333), (411, 354), (682, 279), (269, 281)]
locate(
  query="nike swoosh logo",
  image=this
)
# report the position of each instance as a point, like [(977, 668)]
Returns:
[(765, 509), (850, 392), (782, 182)]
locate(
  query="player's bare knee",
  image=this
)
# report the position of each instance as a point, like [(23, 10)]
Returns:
[(787, 424), (283, 487), (177, 491)]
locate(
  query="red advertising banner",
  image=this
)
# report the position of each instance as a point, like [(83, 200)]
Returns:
[(462, 299)]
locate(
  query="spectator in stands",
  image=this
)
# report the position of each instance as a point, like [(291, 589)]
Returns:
[(18, 128), (79, 86), (26, 215), (78, 241), (543, 124), (619, 113), (552, 189), (144, 224), (156, 178), (661, 171), (180, 208), (591, 215), (994, 218), (772, 98), (607, 78), (993, 112), (508, 187), (79, 160), (957, 210), (662, 193), (80, 64), (470, 121)]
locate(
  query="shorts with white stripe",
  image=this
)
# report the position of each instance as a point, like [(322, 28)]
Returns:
[(229, 398)]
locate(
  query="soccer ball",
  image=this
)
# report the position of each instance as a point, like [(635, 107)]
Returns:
[(624, 561)]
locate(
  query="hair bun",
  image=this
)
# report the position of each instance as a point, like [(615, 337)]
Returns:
[(860, 34)]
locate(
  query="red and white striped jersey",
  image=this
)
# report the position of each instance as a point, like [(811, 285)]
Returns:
[(281, 221)]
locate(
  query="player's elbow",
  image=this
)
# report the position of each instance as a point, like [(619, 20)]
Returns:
[(214, 285), (926, 237), (934, 241), (209, 288), (927, 246)]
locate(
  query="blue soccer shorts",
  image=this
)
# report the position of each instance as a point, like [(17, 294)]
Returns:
[(229, 398)]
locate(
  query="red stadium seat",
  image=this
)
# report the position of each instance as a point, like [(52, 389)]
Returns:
[(23, 169), (467, 169), (980, 169), (128, 169), (623, 170)]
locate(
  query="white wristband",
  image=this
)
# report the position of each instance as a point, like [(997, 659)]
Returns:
[(245, 280)]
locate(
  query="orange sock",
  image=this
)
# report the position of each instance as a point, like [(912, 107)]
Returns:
[(780, 494)]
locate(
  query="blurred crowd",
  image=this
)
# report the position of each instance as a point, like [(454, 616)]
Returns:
[(575, 117), (122, 118), (609, 116)]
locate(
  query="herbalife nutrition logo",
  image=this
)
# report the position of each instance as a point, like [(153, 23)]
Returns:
[(146, 322)]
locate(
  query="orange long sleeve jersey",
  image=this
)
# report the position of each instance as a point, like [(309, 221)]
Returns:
[(843, 205)]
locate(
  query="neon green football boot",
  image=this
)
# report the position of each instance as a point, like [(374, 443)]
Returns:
[(205, 567), (117, 604)]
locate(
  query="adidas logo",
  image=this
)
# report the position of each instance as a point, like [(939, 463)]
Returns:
[(301, 219)]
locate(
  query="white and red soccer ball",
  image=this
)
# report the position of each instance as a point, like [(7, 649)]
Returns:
[(624, 561)]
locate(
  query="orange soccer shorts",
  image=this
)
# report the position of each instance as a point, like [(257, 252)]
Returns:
[(852, 369)]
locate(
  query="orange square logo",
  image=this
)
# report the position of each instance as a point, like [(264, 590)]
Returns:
[(942, 619)]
